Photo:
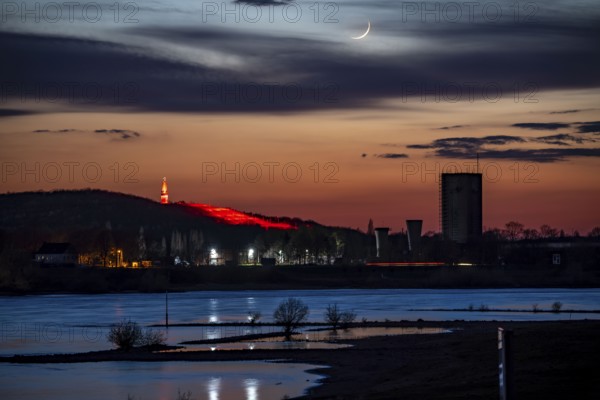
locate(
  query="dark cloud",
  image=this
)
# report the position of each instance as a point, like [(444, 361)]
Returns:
[(55, 131), (475, 55), (445, 128), (466, 147), (571, 111), (114, 133), (392, 155), (535, 155), (588, 127), (122, 133), (9, 112), (502, 139), (468, 143), (542, 126), (563, 139), (420, 146)]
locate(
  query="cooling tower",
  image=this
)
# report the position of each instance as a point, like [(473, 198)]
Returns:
[(382, 243), (413, 228)]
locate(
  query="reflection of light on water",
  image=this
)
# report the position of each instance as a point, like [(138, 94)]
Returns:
[(214, 311), (214, 388), (251, 386)]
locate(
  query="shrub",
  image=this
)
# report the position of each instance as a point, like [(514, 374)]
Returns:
[(290, 313), (556, 306), (253, 316), (125, 334), (535, 308), (184, 396), (152, 338), (484, 307)]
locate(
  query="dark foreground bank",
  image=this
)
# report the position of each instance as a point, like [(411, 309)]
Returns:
[(105, 280), (552, 360)]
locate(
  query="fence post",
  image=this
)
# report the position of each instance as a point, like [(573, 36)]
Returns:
[(505, 367)]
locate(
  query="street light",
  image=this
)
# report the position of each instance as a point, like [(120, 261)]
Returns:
[(118, 258)]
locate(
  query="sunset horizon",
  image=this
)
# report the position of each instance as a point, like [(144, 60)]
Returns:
[(392, 199)]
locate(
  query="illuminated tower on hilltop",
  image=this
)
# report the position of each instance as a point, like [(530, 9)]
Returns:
[(164, 194)]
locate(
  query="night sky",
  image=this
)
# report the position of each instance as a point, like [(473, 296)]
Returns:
[(304, 120)]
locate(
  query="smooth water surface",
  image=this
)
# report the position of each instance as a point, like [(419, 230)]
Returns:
[(248, 380), (74, 323)]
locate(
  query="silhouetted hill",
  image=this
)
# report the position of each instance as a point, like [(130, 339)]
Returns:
[(83, 216), (90, 219), (84, 209)]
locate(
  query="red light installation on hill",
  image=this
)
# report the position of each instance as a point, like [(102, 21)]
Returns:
[(234, 217), (164, 193)]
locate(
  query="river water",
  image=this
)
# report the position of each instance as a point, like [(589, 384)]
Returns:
[(73, 323), (247, 380), (43, 324)]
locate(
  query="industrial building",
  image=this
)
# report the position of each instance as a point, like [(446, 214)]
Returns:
[(461, 207)]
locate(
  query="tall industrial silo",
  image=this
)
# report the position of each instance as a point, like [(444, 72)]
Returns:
[(461, 207), (413, 228)]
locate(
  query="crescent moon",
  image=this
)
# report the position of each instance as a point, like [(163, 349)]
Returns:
[(364, 34)]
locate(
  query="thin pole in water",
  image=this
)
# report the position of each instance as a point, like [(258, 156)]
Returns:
[(167, 308)]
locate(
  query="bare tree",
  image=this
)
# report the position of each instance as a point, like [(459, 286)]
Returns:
[(547, 231), (336, 317), (514, 230), (290, 313), (333, 315)]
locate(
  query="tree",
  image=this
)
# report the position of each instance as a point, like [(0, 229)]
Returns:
[(335, 317), (141, 244), (546, 231), (530, 234), (290, 313), (514, 230), (104, 243), (595, 232)]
